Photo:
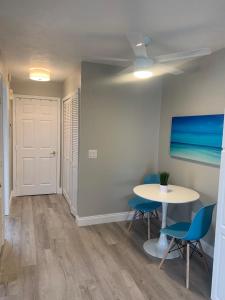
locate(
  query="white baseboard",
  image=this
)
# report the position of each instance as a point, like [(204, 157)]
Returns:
[(107, 218), (208, 249), (123, 216), (73, 211), (59, 190)]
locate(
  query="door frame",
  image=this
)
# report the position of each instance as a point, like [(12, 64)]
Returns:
[(219, 217), (5, 148), (2, 215), (58, 161)]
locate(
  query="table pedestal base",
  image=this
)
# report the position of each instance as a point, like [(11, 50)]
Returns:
[(158, 247)]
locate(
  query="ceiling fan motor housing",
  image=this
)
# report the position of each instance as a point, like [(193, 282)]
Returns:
[(143, 63)]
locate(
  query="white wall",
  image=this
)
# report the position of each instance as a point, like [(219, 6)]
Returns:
[(72, 82), (195, 93), (36, 88)]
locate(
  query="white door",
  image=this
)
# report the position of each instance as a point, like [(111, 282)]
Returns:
[(70, 149), (218, 284), (36, 143), (1, 166)]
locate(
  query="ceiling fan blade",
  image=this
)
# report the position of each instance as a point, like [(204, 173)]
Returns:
[(162, 69), (138, 44), (172, 70), (183, 55), (157, 70), (127, 70), (106, 59)]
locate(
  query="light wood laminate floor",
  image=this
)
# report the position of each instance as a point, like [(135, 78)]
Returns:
[(48, 257)]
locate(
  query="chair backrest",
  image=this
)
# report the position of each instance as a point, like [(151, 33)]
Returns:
[(151, 179), (200, 224)]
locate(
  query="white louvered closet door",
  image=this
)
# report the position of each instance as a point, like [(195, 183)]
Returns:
[(70, 149)]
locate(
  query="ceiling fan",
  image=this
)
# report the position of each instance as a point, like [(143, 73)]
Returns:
[(145, 66)]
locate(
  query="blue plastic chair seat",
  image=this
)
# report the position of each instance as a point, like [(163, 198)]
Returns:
[(190, 232), (148, 206), (178, 230), (195, 230), (141, 204), (136, 201)]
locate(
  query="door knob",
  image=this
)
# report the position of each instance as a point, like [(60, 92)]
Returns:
[(53, 153)]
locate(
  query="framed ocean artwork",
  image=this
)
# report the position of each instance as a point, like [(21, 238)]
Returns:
[(197, 138)]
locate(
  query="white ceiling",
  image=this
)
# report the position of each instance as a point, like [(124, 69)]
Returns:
[(58, 34)]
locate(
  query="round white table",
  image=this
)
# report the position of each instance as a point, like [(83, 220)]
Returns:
[(175, 195)]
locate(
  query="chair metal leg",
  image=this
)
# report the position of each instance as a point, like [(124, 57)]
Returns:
[(131, 222), (183, 249), (149, 226), (167, 252), (204, 257), (188, 266), (144, 218)]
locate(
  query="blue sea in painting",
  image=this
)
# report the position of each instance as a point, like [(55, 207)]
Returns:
[(197, 138)]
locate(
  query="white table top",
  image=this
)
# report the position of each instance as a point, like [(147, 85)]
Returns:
[(176, 194)]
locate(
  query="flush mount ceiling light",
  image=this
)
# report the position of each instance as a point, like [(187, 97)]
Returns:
[(39, 74), (143, 74)]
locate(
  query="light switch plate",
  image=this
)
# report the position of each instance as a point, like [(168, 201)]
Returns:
[(92, 153)]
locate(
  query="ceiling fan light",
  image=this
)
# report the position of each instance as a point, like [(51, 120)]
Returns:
[(143, 74), (39, 74)]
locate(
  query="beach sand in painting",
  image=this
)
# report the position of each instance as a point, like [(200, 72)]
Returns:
[(194, 152), (197, 138)]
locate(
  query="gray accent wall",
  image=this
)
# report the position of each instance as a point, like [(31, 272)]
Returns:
[(122, 122), (199, 92)]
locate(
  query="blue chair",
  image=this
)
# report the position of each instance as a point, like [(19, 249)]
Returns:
[(188, 235), (143, 206)]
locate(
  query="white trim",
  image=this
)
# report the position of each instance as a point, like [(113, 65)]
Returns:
[(68, 96), (5, 150), (208, 249), (14, 144), (2, 227), (107, 218), (125, 216), (58, 182), (59, 190), (72, 209), (73, 212), (58, 172), (36, 97)]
